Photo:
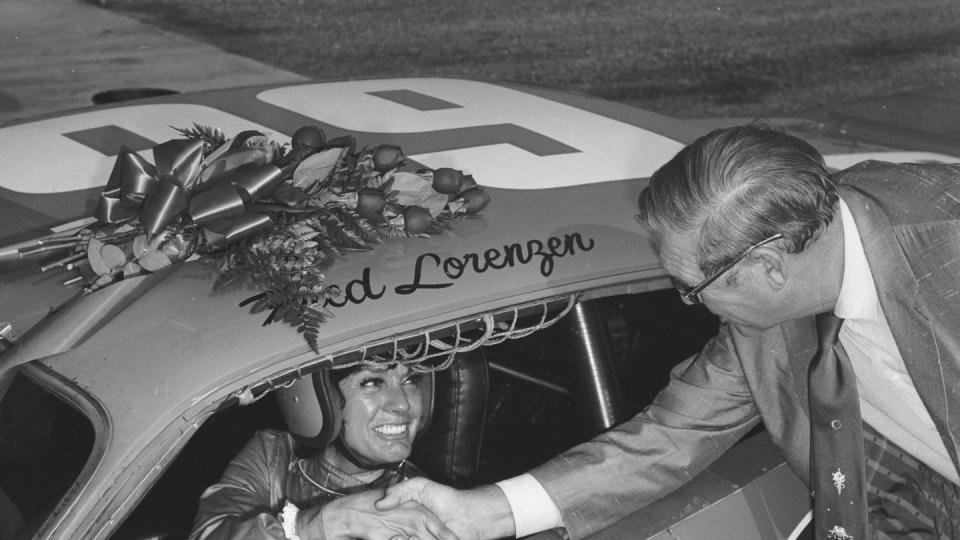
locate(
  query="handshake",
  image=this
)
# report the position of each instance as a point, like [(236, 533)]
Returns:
[(413, 509)]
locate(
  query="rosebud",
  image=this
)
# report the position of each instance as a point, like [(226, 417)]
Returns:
[(475, 200), (447, 180), (416, 219), (305, 142), (309, 136), (387, 157), (370, 204)]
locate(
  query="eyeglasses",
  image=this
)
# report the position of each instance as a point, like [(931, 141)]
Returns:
[(691, 296)]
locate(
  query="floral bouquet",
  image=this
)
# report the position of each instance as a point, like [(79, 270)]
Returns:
[(262, 213)]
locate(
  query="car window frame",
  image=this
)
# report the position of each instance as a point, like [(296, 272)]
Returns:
[(73, 396), (104, 517)]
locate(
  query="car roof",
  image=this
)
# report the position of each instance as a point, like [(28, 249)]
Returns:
[(563, 170), (561, 221)]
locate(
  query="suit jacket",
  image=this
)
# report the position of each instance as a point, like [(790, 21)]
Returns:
[(908, 217)]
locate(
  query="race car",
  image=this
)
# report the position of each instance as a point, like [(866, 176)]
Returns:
[(121, 401)]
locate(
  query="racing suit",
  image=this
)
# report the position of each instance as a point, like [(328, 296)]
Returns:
[(263, 477)]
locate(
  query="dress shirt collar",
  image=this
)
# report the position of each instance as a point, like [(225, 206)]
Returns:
[(858, 294)]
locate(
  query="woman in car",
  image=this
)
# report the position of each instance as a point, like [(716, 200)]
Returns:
[(286, 485)]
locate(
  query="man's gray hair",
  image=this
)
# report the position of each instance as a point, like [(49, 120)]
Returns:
[(737, 186)]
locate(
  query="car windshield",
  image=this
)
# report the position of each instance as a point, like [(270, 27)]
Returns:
[(44, 443)]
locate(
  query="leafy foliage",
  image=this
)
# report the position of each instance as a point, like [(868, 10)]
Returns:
[(211, 137)]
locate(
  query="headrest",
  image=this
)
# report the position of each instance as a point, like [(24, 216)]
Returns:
[(312, 407), (450, 451)]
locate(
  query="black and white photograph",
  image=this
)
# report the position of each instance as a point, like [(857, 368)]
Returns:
[(423, 270)]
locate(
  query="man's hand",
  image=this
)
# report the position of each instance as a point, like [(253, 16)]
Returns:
[(354, 516), (475, 514)]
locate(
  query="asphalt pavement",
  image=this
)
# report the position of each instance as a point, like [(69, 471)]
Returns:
[(57, 54)]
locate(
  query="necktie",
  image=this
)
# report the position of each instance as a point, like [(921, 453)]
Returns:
[(836, 447)]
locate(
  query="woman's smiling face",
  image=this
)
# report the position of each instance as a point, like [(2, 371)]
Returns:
[(381, 412)]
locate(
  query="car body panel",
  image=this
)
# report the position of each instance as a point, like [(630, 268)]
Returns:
[(159, 353), (747, 494)]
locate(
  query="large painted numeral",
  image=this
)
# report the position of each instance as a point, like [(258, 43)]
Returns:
[(72, 153), (504, 137)]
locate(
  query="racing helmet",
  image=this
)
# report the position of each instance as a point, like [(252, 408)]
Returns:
[(312, 406)]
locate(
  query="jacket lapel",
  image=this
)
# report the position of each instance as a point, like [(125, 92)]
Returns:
[(908, 303)]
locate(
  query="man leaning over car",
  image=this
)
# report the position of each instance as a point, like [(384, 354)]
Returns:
[(751, 216)]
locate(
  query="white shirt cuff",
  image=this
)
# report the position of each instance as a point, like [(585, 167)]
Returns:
[(533, 509)]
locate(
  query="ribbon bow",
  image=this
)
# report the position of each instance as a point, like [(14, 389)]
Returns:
[(176, 186)]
